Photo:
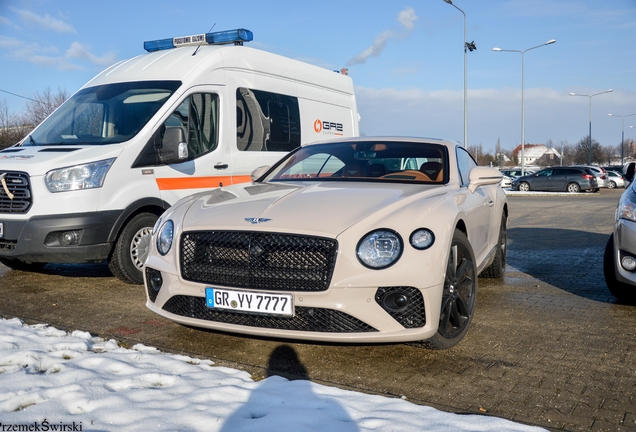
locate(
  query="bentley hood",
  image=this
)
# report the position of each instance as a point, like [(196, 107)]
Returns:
[(324, 209)]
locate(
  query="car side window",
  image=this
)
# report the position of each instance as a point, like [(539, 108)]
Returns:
[(465, 163), (266, 121)]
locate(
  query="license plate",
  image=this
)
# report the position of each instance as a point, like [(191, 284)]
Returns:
[(242, 301)]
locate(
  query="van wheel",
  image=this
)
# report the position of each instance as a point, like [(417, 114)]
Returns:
[(620, 290), (459, 295), (131, 249)]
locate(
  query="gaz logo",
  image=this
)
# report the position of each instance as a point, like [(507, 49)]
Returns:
[(327, 127)]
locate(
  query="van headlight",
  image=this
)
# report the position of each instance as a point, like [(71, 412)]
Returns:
[(380, 249), (87, 176), (627, 206), (164, 239)]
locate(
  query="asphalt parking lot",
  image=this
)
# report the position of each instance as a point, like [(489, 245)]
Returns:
[(549, 345)]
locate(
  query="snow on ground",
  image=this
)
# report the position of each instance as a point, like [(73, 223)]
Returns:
[(54, 380)]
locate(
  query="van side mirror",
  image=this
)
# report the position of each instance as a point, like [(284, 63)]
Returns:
[(629, 173), (174, 149)]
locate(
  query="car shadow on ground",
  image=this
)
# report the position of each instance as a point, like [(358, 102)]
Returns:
[(571, 260)]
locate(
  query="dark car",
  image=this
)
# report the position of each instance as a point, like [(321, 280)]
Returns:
[(558, 179)]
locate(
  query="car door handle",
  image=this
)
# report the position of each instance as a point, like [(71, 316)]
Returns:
[(491, 203), (221, 166)]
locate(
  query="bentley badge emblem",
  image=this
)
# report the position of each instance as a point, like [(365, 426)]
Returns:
[(257, 220)]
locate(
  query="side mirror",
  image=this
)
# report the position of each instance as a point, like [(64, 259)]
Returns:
[(174, 149), (629, 173), (481, 176), (258, 172)]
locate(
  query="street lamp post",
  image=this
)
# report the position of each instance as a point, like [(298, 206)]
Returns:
[(622, 132), (589, 147), (450, 2), (523, 121)]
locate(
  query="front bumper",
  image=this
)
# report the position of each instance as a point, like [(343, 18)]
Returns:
[(39, 239), (335, 315)]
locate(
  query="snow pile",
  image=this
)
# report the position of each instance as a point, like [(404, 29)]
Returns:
[(50, 378)]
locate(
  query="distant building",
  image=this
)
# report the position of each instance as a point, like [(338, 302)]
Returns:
[(534, 152)]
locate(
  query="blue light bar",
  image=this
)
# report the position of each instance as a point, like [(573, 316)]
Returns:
[(236, 37)]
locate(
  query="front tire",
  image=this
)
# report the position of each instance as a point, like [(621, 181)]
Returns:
[(573, 188), (459, 295), (498, 266), (131, 249), (622, 291), (524, 187)]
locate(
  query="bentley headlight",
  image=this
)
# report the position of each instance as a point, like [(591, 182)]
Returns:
[(87, 176), (164, 239), (627, 206), (380, 249)]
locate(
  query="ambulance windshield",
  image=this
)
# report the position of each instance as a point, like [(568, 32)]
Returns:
[(105, 114)]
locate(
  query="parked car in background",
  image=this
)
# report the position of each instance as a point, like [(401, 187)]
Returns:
[(506, 182), (619, 259), (515, 172), (601, 176), (558, 179), (615, 180), (355, 240)]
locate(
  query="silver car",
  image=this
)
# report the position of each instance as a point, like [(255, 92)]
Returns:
[(619, 260), (615, 180)]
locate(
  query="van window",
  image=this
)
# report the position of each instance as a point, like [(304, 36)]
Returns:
[(197, 117), (197, 123), (105, 114), (266, 121)]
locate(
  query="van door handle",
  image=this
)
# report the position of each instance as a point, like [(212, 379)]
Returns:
[(221, 166)]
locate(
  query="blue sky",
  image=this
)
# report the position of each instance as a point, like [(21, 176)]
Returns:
[(406, 59)]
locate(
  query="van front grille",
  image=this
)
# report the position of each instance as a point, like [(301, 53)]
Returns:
[(19, 199)]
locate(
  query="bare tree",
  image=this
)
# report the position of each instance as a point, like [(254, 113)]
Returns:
[(12, 128), (43, 104)]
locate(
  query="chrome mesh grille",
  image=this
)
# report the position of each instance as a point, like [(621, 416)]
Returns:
[(19, 185), (258, 260), (305, 319)]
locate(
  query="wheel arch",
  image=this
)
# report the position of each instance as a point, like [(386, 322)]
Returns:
[(144, 205)]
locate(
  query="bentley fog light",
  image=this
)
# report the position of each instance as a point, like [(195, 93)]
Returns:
[(628, 262), (422, 239), (164, 239), (379, 249)]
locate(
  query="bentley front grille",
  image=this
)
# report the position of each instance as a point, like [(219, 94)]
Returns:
[(258, 260)]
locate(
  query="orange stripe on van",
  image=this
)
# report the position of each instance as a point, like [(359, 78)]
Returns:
[(177, 183)]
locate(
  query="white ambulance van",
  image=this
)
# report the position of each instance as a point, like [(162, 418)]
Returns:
[(194, 113)]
